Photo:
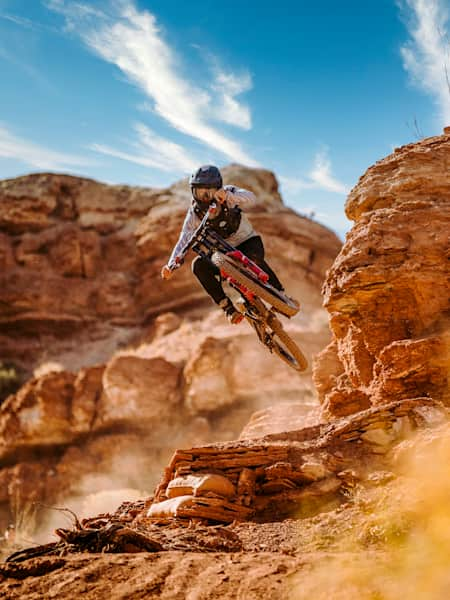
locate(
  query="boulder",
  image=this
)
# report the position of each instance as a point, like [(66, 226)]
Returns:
[(137, 392)]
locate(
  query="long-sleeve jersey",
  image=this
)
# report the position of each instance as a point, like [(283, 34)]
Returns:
[(235, 197)]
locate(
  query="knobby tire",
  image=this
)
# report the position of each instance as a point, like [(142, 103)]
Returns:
[(288, 350)]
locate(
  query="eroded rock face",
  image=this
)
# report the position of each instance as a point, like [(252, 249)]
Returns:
[(295, 472), (80, 261), (388, 292), (139, 393), (128, 367)]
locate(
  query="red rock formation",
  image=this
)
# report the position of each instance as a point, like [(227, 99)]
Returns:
[(297, 472), (388, 292), (120, 381), (81, 261), (389, 300)]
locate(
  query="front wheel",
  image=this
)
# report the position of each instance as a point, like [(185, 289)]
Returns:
[(285, 347), (282, 303)]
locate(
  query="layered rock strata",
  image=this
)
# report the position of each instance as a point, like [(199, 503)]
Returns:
[(388, 292), (297, 473), (80, 261), (121, 382)]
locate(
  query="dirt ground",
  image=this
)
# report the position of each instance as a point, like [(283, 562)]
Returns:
[(274, 560)]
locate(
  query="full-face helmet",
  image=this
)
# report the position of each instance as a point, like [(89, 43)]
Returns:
[(204, 182)]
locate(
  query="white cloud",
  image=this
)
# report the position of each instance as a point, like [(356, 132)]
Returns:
[(34, 155), (153, 151), (426, 55), (320, 178), (17, 20), (27, 67), (132, 41), (73, 12), (228, 109), (294, 185)]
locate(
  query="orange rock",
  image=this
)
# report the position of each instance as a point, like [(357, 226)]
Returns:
[(138, 392), (388, 292)]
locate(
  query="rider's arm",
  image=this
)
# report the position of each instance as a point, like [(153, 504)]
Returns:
[(239, 196), (191, 221)]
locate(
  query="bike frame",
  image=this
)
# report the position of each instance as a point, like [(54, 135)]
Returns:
[(205, 241)]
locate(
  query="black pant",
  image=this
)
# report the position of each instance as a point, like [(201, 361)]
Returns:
[(209, 275)]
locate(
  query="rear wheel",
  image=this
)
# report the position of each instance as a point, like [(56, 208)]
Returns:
[(282, 303), (285, 347)]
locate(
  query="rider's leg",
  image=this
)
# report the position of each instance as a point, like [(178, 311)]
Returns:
[(209, 276), (254, 250)]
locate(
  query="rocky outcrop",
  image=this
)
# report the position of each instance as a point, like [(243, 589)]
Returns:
[(120, 380), (116, 425), (388, 292), (292, 473), (81, 261), (383, 383)]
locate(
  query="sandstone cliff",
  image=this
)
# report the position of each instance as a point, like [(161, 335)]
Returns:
[(354, 497), (128, 367), (388, 292), (81, 260)]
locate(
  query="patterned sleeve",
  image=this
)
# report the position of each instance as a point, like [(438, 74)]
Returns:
[(239, 196), (191, 221)]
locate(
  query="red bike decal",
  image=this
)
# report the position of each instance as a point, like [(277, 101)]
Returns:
[(244, 291), (237, 255)]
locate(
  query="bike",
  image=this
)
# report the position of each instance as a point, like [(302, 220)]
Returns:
[(254, 288)]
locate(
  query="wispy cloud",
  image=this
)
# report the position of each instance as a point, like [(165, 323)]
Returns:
[(321, 175), (27, 68), (319, 178), (19, 54), (27, 23), (227, 108), (35, 155), (153, 151), (226, 88), (132, 40), (294, 185), (74, 12), (426, 55), (17, 20)]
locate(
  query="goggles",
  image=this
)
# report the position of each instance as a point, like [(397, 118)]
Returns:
[(203, 194)]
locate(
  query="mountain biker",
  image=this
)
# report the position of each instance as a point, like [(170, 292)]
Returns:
[(230, 222)]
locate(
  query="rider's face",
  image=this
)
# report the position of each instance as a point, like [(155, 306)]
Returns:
[(204, 194)]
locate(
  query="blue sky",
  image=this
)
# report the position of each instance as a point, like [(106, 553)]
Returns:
[(141, 92)]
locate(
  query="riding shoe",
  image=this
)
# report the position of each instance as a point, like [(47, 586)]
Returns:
[(233, 316)]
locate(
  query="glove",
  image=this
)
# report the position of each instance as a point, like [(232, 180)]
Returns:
[(220, 195), (166, 272)]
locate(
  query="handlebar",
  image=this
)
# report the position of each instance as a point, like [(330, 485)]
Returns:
[(180, 258)]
